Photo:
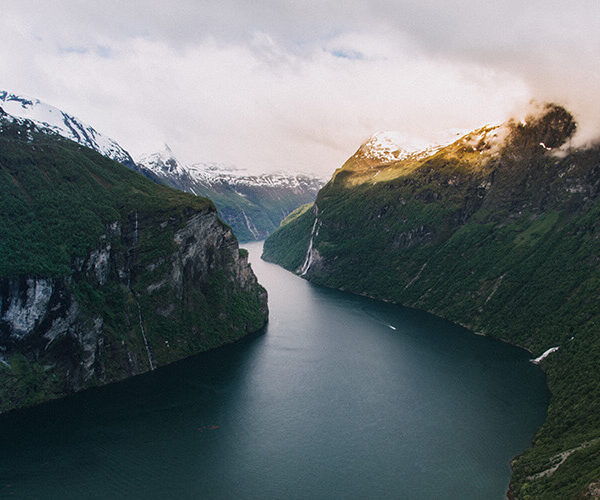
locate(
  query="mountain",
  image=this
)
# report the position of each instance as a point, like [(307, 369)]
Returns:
[(66, 125), (253, 205), (498, 231), (105, 274)]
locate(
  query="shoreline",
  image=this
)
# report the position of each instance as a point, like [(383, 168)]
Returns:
[(509, 494)]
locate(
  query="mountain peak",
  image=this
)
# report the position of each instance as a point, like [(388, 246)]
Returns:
[(391, 146), (162, 161), (384, 146), (66, 125), (548, 125)]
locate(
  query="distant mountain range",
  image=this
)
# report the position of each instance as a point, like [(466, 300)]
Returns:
[(253, 205)]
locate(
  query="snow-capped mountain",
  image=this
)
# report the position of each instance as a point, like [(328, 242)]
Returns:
[(390, 146), (165, 163), (253, 205), (64, 124), (23, 125), (387, 147), (162, 162)]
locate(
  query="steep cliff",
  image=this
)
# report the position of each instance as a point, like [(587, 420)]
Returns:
[(498, 231), (104, 274)]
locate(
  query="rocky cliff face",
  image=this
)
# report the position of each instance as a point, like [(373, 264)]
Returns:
[(498, 231), (103, 273), (128, 308)]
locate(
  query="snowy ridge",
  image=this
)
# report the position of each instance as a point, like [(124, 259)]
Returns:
[(274, 180), (27, 124), (162, 162), (216, 175), (389, 147), (66, 125), (392, 146)]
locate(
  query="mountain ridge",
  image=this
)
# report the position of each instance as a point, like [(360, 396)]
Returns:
[(252, 204), (65, 125)]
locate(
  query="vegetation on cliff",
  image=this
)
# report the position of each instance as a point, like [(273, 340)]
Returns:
[(498, 231), (105, 274), (57, 198)]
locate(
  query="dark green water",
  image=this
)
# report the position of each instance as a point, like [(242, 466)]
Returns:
[(328, 402)]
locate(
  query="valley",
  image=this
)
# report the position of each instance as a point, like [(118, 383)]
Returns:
[(338, 393)]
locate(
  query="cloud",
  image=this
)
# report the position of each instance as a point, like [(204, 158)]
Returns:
[(297, 86)]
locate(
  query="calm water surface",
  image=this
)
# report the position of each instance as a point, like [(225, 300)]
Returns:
[(339, 397)]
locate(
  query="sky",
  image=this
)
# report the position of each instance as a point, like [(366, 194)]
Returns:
[(271, 85)]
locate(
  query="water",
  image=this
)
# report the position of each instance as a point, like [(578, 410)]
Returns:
[(340, 397)]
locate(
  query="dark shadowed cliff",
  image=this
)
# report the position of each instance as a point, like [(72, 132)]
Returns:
[(104, 274)]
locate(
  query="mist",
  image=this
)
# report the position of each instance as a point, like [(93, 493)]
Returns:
[(277, 86)]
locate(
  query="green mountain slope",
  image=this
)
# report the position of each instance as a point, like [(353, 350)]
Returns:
[(105, 274), (498, 231), (255, 211)]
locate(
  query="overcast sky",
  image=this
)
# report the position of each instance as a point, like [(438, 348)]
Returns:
[(297, 86)]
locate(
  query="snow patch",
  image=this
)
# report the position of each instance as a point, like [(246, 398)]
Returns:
[(63, 124), (547, 353), (393, 146)]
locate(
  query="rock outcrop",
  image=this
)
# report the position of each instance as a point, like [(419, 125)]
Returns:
[(61, 324)]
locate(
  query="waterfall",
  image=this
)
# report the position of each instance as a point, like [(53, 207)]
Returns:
[(142, 329), (309, 251), (539, 359), (251, 227), (135, 232), (135, 240), (144, 334)]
